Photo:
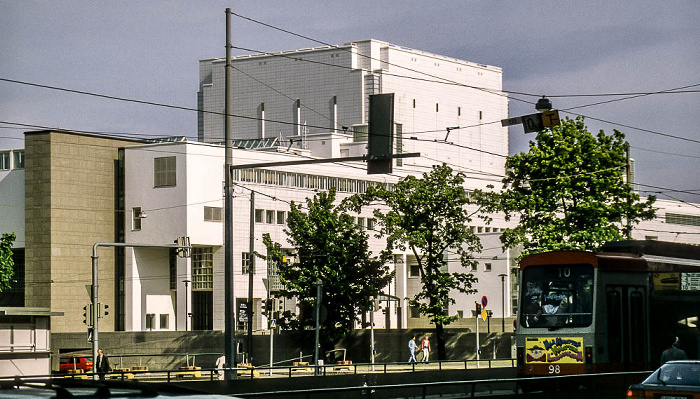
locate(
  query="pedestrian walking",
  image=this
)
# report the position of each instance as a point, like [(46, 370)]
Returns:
[(102, 364), (425, 345), (220, 363), (412, 348), (673, 353)]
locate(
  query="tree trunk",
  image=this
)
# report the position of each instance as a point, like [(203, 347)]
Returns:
[(439, 335)]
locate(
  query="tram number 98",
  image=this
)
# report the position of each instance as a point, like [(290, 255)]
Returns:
[(554, 369)]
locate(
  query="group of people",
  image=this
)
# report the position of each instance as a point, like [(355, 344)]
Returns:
[(424, 346)]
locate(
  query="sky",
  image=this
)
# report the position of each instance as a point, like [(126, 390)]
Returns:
[(149, 51)]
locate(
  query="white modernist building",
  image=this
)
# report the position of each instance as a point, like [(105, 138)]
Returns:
[(303, 96)]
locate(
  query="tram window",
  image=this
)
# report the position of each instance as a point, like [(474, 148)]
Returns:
[(638, 326), (557, 296)]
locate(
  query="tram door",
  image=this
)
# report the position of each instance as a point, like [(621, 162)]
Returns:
[(627, 325)]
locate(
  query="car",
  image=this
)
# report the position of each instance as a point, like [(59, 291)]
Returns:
[(678, 379), (72, 363)]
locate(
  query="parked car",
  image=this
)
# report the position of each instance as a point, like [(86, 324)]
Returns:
[(679, 379), (75, 362)]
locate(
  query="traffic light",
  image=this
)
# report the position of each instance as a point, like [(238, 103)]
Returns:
[(87, 315), (478, 309), (103, 310), (371, 303), (263, 307)]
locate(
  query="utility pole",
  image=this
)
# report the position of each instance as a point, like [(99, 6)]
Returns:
[(251, 272), (319, 284), (229, 306)]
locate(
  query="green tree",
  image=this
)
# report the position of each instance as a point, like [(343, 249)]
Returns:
[(569, 191), (329, 247), (7, 265), (429, 216)]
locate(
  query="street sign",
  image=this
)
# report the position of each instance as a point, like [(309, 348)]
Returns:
[(511, 121), (484, 301), (484, 314), (533, 123), (550, 118)]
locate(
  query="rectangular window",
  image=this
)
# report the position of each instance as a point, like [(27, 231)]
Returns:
[(472, 267), (371, 222), (202, 268), (414, 271), (164, 172), (164, 321), (414, 312), (460, 314), (173, 269), (437, 107), (280, 217), (269, 217), (245, 263), (18, 159), (361, 223), (150, 321), (258, 216), (136, 218), (459, 111), (213, 214), (487, 267), (5, 160)]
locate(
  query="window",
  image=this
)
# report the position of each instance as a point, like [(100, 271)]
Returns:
[(414, 271), (18, 159), (173, 269), (245, 262), (258, 216), (164, 172), (269, 217), (150, 321), (137, 215), (280, 217), (459, 111), (164, 321), (213, 214), (414, 312), (487, 267), (5, 160), (371, 222), (472, 267), (361, 223), (437, 107), (202, 268), (460, 314)]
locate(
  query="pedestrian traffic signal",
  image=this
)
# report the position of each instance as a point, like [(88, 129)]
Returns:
[(103, 310)]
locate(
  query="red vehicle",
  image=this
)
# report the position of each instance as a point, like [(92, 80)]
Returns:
[(615, 310), (73, 363)]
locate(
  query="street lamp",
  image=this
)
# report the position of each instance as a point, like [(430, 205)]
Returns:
[(187, 304), (503, 302), (543, 104)]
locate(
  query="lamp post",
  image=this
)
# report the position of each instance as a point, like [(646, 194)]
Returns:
[(187, 303), (503, 302)]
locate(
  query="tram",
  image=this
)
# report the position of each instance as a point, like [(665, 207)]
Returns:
[(614, 310)]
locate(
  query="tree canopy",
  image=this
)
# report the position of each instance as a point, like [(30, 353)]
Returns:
[(429, 217), (332, 248), (569, 191), (7, 265)]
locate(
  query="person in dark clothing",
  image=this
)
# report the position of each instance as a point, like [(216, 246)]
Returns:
[(102, 364), (673, 353)]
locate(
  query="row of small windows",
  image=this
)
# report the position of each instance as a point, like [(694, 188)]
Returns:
[(303, 180), (414, 270), (12, 159), (682, 219), (269, 216)]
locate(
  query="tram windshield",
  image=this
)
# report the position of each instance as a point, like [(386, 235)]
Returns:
[(556, 296)]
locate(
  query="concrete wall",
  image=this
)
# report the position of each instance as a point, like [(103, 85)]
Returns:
[(70, 205), (160, 350)]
